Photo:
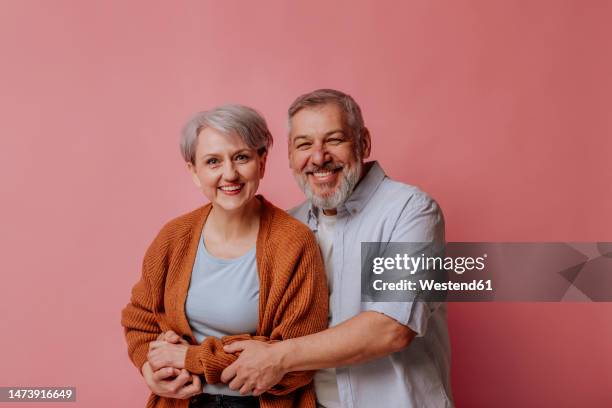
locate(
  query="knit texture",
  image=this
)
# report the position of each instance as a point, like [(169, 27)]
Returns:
[(293, 300)]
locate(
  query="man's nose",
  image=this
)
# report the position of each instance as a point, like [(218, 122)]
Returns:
[(319, 156)]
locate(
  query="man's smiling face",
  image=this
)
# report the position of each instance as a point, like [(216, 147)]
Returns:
[(323, 155)]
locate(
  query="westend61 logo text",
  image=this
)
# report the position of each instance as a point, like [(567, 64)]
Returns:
[(413, 264)]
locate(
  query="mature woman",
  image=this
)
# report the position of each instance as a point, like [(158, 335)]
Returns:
[(236, 268)]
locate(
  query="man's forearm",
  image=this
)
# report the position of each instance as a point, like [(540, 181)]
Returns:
[(364, 337)]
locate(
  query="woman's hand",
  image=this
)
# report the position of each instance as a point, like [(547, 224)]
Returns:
[(164, 354), (171, 382), (171, 337)]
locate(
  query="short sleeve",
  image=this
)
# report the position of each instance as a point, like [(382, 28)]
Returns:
[(421, 220)]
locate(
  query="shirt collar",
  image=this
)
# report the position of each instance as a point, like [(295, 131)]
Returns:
[(358, 199)]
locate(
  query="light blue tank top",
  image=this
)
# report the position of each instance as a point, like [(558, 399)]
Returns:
[(223, 299)]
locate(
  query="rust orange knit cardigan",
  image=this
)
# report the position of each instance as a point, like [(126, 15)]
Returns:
[(293, 300)]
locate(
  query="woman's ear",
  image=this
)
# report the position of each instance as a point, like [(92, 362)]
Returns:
[(262, 164), (194, 176)]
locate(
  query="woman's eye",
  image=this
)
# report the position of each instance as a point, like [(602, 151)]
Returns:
[(242, 157), (212, 162), (334, 141)]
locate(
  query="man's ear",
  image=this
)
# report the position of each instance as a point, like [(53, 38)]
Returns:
[(366, 144), (194, 176), (289, 150)]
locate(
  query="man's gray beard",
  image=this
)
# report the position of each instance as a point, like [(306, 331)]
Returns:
[(349, 180)]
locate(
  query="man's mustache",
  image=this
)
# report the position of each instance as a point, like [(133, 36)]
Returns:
[(327, 166)]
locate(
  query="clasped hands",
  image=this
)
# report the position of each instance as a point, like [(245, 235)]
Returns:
[(257, 369), (165, 373)]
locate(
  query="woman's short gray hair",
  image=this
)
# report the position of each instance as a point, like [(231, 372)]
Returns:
[(346, 103), (232, 118)]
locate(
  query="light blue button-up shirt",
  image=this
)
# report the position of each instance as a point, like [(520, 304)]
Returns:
[(383, 210)]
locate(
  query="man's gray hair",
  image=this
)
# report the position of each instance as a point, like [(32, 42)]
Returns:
[(227, 119), (346, 103)]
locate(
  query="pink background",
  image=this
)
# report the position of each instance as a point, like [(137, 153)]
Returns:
[(499, 109)]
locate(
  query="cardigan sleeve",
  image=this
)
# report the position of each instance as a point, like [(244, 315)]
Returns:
[(139, 318), (302, 310)]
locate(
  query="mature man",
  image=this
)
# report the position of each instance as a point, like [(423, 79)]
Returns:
[(374, 354)]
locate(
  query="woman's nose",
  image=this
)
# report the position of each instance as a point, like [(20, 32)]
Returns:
[(229, 171)]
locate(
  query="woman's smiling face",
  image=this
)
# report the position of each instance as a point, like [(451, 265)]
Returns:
[(226, 169)]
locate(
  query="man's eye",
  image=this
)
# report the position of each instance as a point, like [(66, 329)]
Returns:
[(303, 146), (334, 141)]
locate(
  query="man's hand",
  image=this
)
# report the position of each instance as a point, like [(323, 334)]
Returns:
[(171, 382), (257, 369)]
